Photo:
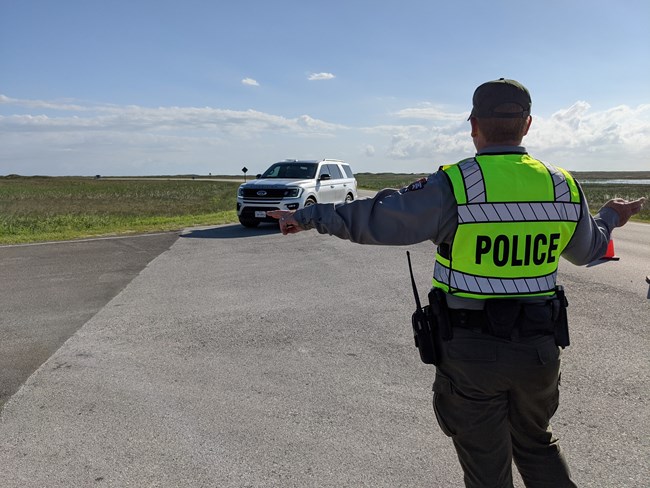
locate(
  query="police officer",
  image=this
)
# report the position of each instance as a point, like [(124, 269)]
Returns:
[(501, 220)]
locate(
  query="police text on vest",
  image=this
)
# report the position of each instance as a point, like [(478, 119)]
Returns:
[(518, 250)]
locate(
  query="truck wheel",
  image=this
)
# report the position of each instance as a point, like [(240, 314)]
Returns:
[(348, 198), (309, 202)]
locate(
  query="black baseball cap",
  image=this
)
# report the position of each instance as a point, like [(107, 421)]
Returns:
[(490, 96)]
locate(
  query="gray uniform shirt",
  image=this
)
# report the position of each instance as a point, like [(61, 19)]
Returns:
[(426, 210)]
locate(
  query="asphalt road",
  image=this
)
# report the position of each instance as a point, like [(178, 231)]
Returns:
[(50, 290), (243, 358)]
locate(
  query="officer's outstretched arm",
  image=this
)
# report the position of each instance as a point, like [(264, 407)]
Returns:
[(625, 209), (288, 224)]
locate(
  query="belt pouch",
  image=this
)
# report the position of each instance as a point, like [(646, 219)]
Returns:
[(537, 319), (502, 316), (440, 313), (560, 305)]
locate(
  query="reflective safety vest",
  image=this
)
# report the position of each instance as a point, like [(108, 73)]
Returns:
[(515, 217)]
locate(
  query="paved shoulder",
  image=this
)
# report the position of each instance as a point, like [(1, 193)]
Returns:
[(50, 290)]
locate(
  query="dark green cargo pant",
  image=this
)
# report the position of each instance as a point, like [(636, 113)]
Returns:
[(495, 398)]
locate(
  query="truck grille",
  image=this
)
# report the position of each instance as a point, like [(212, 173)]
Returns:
[(267, 193)]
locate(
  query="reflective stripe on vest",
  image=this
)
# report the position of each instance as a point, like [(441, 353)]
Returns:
[(515, 216), (493, 286), (518, 212), (560, 185), (474, 184)]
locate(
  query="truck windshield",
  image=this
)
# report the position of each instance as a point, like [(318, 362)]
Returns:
[(296, 171)]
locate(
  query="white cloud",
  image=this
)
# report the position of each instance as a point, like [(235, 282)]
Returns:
[(575, 137), (55, 137), (250, 82), (430, 112), (165, 120), (40, 104), (590, 139), (315, 125), (102, 139), (320, 76), (448, 144)]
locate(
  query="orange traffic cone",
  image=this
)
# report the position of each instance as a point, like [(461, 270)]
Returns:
[(610, 252)]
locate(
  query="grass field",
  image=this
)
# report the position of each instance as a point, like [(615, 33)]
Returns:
[(34, 209), (38, 209)]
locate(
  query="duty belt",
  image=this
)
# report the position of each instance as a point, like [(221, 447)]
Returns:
[(501, 317)]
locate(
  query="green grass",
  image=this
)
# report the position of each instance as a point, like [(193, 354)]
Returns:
[(40, 208), (378, 181), (611, 175), (34, 209), (597, 194)]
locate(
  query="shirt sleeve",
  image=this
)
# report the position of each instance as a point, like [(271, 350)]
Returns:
[(425, 210), (592, 234)]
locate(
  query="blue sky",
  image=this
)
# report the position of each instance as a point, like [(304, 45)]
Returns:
[(143, 87)]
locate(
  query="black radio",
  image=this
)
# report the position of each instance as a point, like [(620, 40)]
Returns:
[(423, 326)]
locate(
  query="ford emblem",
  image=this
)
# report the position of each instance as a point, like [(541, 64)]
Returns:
[(261, 193)]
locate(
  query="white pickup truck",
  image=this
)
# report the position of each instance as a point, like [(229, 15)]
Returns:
[(294, 184)]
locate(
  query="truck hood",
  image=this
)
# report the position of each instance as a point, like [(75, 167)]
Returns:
[(275, 183)]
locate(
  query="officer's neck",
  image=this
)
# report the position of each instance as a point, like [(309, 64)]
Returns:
[(480, 143), (500, 148)]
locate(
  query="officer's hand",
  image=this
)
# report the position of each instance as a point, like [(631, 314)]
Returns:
[(288, 225), (625, 209)]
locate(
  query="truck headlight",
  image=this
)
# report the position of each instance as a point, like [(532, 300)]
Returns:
[(292, 192), (240, 191)]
